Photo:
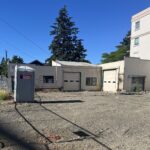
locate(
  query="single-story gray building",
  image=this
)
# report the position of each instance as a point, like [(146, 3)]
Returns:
[(79, 75), (130, 74), (66, 76)]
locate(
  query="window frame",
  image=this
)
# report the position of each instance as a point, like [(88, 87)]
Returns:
[(137, 25), (136, 41), (91, 81), (49, 78)]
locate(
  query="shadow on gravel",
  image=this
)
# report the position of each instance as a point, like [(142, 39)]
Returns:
[(59, 101), (54, 102), (87, 131), (33, 127), (11, 137)]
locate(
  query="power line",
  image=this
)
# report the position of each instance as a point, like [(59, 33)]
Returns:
[(1, 57), (22, 34), (27, 54)]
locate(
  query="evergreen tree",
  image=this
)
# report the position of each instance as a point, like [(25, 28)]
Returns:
[(65, 44), (123, 49)]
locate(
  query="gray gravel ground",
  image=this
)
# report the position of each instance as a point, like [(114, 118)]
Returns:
[(111, 121)]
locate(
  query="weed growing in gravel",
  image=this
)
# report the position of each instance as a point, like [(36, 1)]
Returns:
[(4, 95)]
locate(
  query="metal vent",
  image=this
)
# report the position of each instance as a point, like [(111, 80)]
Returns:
[(81, 134)]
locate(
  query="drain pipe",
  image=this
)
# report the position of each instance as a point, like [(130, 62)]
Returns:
[(56, 71), (118, 78)]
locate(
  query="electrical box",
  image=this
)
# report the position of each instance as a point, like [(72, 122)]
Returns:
[(24, 84)]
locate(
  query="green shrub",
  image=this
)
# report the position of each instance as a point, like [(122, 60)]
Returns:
[(4, 95), (137, 88)]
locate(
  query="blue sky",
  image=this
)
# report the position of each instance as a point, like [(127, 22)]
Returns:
[(102, 25)]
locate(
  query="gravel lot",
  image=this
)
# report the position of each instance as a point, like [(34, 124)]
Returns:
[(103, 121)]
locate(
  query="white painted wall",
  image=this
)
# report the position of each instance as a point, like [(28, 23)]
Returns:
[(119, 66), (143, 49), (54, 63)]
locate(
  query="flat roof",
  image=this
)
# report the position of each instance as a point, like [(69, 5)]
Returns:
[(72, 63), (24, 68), (141, 14), (113, 62)]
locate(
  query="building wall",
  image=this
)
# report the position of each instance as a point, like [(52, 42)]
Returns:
[(41, 71), (135, 67), (143, 49), (3, 82), (119, 66), (86, 72), (57, 72), (48, 71), (54, 63)]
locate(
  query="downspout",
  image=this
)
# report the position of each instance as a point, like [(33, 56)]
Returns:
[(118, 78), (102, 79), (56, 72)]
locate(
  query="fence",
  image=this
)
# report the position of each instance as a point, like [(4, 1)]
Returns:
[(3, 83)]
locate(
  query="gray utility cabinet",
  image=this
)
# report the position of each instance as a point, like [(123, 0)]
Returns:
[(24, 84)]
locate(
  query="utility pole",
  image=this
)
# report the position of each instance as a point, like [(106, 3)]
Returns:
[(6, 55)]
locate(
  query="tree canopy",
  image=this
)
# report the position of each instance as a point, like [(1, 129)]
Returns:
[(122, 50), (65, 44), (17, 60), (3, 67), (4, 63)]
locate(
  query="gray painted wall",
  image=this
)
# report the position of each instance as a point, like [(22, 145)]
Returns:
[(3, 82), (136, 67), (86, 72), (57, 72), (41, 71)]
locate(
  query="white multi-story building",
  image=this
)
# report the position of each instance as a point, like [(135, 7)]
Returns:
[(140, 35), (132, 73)]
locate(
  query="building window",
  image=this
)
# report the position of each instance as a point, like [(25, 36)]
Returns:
[(48, 79), (91, 81), (136, 41), (137, 25), (138, 84)]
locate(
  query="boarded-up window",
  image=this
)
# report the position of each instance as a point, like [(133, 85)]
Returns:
[(138, 84), (48, 79), (91, 81)]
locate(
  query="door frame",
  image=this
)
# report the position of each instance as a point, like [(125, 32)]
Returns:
[(111, 69), (72, 72)]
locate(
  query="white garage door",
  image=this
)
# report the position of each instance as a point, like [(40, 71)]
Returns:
[(71, 81), (110, 81)]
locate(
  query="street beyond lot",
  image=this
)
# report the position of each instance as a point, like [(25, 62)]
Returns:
[(77, 121)]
